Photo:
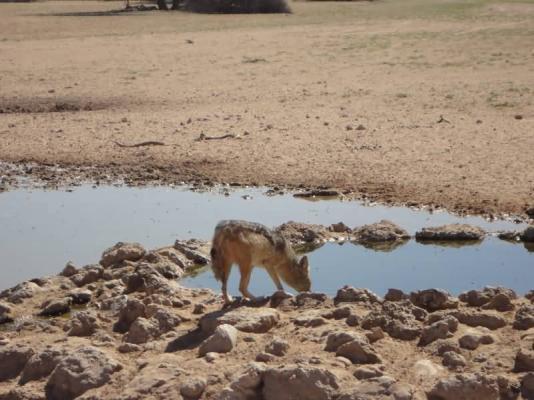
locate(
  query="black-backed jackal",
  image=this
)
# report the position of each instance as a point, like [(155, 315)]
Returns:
[(250, 244)]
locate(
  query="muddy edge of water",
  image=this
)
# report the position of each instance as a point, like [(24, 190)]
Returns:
[(29, 174)]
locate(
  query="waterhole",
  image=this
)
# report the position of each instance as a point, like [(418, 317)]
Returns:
[(40, 230)]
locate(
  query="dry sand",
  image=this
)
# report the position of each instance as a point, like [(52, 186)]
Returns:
[(346, 95)]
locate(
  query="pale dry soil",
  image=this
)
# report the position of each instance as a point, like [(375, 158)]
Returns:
[(420, 102)]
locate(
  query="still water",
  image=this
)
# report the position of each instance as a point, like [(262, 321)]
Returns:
[(40, 230), (410, 266)]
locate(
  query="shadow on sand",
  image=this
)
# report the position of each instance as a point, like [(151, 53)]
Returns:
[(108, 13), (192, 339)]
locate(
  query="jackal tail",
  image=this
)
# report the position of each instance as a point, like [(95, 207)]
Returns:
[(216, 263)]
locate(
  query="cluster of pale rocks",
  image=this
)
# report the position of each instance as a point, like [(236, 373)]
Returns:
[(126, 329)]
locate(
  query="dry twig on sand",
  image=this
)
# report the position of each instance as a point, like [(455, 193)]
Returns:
[(206, 137), (147, 143), (441, 119)]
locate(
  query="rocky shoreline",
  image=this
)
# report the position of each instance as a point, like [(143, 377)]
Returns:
[(126, 329)]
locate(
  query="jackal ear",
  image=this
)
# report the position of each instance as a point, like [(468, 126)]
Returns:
[(304, 263)]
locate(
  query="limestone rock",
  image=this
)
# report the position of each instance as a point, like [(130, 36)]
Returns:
[(145, 278), (486, 319), (56, 307), (527, 386), (281, 298), (193, 388), (338, 313), (398, 319), (478, 298), (163, 265), (245, 319), (442, 346), (336, 339), (370, 389), (453, 360), (404, 391), (524, 317), (22, 393), (87, 275), (339, 227), (383, 231), (246, 386), (132, 310), (375, 334), (69, 270), (41, 365), (511, 236), (85, 368), (509, 387), (501, 302), (141, 331), (80, 297), (358, 351), (472, 339), (395, 295), (309, 320), (353, 320), (265, 357), (524, 361), (13, 358), (311, 299), (5, 308), (278, 347), (223, 340), (451, 232), (196, 251), (5, 313), (465, 387), (18, 293), (298, 233), (114, 304), (166, 320), (296, 383), (438, 330), (425, 369), (211, 357), (348, 294), (120, 252), (159, 380), (367, 372), (83, 323), (433, 299), (129, 348)]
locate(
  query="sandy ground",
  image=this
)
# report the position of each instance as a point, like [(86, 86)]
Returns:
[(422, 102)]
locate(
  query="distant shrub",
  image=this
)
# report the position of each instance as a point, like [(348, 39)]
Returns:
[(237, 6)]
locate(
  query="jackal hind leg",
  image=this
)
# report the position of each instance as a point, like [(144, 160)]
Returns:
[(226, 268), (246, 271)]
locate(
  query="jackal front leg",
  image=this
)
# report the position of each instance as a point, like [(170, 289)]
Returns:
[(274, 276)]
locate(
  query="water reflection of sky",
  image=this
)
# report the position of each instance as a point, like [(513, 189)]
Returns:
[(41, 230), (409, 267)]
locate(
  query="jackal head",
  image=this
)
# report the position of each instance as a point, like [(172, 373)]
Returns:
[(300, 279)]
